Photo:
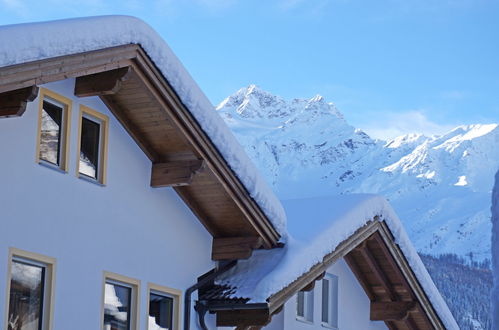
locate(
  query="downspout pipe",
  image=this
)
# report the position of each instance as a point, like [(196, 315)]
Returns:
[(215, 272)]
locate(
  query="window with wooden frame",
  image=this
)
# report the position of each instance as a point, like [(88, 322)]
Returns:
[(330, 301), (305, 306), (92, 145), (30, 291), (163, 306), (54, 115), (120, 310)]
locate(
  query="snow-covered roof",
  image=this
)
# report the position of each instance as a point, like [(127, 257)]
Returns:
[(22, 43), (316, 226)]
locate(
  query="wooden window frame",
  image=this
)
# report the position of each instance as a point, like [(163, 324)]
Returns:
[(66, 128), (331, 277), (177, 302), (49, 264), (103, 144), (134, 284)]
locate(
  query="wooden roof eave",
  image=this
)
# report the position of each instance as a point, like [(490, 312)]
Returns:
[(39, 72), (421, 303)]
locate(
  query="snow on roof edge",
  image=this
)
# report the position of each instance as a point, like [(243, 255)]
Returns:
[(281, 268), (36, 41)]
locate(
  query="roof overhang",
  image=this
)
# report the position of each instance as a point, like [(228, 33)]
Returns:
[(396, 296), (182, 155)]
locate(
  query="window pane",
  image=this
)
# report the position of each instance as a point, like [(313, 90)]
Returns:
[(300, 304), (325, 301), (26, 297), (117, 303), (309, 303), (50, 137), (89, 148), (160, 312), (334, 301)]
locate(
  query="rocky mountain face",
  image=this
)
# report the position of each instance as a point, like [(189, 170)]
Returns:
[(440, 186)]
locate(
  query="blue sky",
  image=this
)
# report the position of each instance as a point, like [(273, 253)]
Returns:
[(391, 66)]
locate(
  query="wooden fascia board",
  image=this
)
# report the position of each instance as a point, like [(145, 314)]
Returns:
[(205, 149), (409, 275), (279, 298), (63, 67)]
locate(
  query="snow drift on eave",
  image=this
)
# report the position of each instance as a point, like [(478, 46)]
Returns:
[(495, 254), (316, 226), (35, 41)]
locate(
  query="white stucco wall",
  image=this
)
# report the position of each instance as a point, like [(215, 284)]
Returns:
[(126, 227), (353, 306)]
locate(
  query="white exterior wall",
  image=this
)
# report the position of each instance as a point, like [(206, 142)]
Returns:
[(353, 306), (125, 227)]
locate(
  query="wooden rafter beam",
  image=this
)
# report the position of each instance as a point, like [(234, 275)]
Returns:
[(232, 248), (103, 83), (379, 240), (391, 311), (175, 173), (354, 267), (378, 272), (13, 103)]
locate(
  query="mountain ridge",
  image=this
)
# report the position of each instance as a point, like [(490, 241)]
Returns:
[(439, 185)]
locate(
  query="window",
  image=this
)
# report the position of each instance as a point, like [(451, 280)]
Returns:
[(305, 306), (53, 130), (92, 145), (29, 291), (330, 301), (163, 308), (120, 302)]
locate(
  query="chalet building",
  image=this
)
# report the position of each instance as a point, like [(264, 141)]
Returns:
[(127, 204)]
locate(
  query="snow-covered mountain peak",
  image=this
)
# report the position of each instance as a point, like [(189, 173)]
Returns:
[(255, 104), (439, 185)]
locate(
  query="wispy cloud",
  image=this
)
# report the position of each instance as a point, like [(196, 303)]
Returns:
[(453, 95), (389, 125)]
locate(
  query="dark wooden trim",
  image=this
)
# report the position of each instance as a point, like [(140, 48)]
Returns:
[(102, 83), (63, 67), (175, 173), (243, 318), (13, 103), (231, 248), (391, 311)]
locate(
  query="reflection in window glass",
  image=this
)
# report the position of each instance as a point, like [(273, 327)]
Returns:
[(117, 307), (305, 305), (160, 312), (89, 147), (51, 129), (26, 296)]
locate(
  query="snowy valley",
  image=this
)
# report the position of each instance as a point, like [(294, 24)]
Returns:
[(440, 186)]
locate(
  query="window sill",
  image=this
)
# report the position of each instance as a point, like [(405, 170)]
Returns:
[(304, 320), (51, 166), (91, 180), (326, 325)]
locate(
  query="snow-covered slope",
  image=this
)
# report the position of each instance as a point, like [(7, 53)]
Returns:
[(440, 186)]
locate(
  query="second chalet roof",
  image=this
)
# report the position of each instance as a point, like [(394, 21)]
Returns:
[(23, 43), (316, 228)]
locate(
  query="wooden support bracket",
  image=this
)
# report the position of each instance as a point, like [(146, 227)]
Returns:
[(104, 83), (13, 103), (391, 311), (232, 248), (175, 173)]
